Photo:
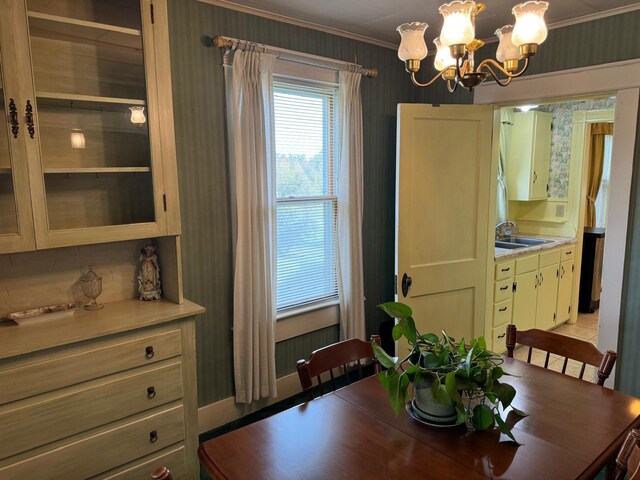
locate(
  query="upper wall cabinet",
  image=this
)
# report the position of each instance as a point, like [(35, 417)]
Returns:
[(529, 156), (95, 118)]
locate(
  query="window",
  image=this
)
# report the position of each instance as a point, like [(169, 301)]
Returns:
[(602, 200), (306, 203)]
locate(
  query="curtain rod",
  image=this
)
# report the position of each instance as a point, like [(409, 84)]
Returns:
[(289, 55)]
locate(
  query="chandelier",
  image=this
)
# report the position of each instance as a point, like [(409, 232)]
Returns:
[(457, 41)]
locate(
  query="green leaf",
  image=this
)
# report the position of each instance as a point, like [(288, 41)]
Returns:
[(520, 413), (462, 348), (467, 362), (497, 372), (397, 390), (504, 428), (481, 343), (430, 337), (385, 360), (482, 417), (396, 309), (462, 416), (440, 393), (505, 393), (409, 330), (452, 388), (396, 332)]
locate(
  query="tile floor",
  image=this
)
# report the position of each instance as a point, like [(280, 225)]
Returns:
[(586, 328)]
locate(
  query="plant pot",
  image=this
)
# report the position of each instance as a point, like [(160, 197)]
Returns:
[(427, 406)]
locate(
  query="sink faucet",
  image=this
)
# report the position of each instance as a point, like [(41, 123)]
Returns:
[(505, 229)]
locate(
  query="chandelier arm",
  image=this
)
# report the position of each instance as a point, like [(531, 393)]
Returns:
[(489, 61), (503, 83), (430, 82), (451, 89)]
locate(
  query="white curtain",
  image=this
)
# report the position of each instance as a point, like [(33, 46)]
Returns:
[(502, 200), (254, 309), (349, 245)]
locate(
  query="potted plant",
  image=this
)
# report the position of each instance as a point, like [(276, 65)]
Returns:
[(451, 380)]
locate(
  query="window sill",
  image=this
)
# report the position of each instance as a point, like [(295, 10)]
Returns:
[(301, 321)]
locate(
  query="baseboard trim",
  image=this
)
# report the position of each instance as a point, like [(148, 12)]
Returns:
[(224, 411)]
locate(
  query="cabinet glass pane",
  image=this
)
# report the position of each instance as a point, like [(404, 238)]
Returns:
[(89, 78), (8, 214)]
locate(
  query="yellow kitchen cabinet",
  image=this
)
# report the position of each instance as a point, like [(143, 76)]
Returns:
[(525, 300), (87, 90), (529, 156), (547, 296), (564, 291)]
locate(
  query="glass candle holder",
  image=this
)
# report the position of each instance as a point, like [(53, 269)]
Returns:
[(92, 288)]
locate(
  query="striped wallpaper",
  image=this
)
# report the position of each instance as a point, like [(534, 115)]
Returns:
[(203, 172)]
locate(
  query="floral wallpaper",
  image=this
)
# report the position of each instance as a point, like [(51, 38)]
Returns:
[(561, 140)]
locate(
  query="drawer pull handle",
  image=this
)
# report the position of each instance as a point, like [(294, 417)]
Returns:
[(506, 269), (502, 335), (151, 391), (568, 253), (153, 436), (149, 353), (503, 309), (504, 288)]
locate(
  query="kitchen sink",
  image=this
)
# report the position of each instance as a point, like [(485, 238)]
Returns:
[(526, 241), (510, 245)]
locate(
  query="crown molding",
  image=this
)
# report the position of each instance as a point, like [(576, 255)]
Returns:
[(300, 23)]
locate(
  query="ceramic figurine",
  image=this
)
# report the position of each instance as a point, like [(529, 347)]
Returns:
[(149, 276)]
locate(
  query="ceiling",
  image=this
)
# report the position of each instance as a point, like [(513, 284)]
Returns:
[(377, 19)]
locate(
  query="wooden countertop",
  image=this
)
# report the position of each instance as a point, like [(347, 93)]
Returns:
[(115, 317)]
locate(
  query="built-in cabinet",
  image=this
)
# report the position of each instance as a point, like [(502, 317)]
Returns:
[(532, 291), (529, 156), (87, 152), (100, 395)]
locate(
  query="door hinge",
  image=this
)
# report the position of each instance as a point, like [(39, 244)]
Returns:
[(515, 286), (395, 284), (152, 17), (164, 201)]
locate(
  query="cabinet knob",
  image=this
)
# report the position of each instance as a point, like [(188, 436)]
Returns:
[(151, 391), (153, 436), (149, 353)]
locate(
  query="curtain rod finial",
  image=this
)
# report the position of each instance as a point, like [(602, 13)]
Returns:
[(372, 72), (222, 42)]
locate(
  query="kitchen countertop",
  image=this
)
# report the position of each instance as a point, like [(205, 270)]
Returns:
[(505, 253)]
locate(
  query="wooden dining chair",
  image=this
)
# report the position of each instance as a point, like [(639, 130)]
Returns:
[(567, 347), (628, 460), (335, 356)]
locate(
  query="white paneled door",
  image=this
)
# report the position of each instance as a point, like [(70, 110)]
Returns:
[(444, 183)]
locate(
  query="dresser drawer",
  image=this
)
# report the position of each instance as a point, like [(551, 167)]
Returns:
[(526, 264), (502, 313), (505, 270), (549, 258), (499, 337), (55, 416), (173, 460), (568, 253), (95, 454), (502, 291), (49, 372)]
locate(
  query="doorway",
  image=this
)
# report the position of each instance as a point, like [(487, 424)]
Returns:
[(621, 79)]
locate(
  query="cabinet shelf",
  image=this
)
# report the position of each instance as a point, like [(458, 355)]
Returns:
[(83, 29), (97, 170), (88, 98)]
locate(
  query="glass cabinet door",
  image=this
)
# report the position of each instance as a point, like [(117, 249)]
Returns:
[(16, 225), (93, 148)]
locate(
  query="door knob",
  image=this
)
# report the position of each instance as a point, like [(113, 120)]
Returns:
[(406, 284)]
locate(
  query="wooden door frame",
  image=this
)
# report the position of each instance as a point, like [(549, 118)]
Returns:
[(623, 80)]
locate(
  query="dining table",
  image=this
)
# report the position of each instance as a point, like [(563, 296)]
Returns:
[(572, 430)]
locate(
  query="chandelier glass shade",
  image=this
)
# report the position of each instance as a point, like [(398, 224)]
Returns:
[(455, 47)]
